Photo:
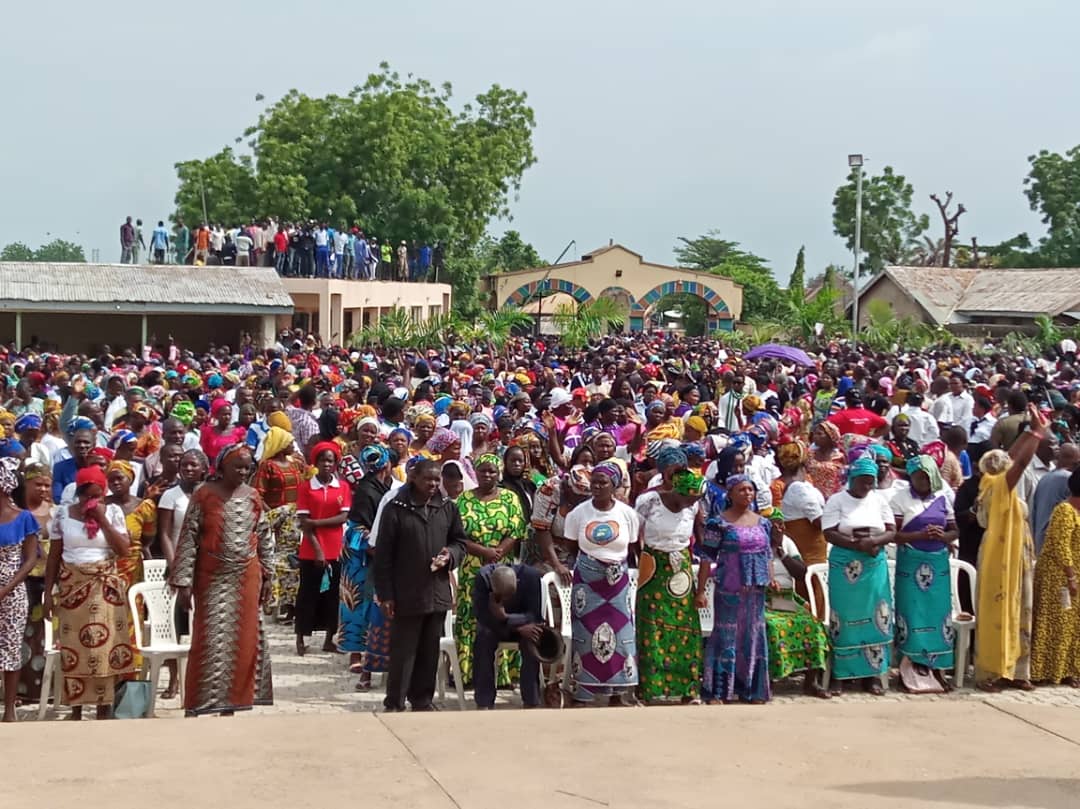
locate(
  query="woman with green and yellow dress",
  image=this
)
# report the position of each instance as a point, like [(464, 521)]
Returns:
[(494, 525)]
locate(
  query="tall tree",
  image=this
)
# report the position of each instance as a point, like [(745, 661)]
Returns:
[(762, 298), (1053, 190), (889, 226), (16, 251), (797, 284), (510, 253)]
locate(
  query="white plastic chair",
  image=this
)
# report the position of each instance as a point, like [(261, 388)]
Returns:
[(52, 676), (820, 573), (161, 645), (564, 593), (965, 630), (448, 651), (633, 574), (154, 570)]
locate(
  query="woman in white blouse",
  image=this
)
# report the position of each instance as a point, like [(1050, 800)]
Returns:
[(86, 539)]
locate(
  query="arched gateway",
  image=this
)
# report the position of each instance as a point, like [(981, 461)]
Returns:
[(622, 274)]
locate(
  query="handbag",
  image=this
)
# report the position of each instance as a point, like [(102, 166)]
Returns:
[(646, 568), (132, 700)]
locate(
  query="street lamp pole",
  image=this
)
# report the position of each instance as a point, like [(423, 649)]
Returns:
[(855, 161)]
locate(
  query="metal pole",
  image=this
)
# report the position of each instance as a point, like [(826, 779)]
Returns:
[(202, 191), (858, 250)]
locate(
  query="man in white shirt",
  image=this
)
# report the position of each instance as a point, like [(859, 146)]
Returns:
[(924, 428), (244, 244), (982, 422), (341, 238), (960, 401)]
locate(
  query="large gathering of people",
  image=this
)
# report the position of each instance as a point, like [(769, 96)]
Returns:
[(674, 494), (294, 250)]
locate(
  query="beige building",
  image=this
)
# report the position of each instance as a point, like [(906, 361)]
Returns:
[(619, 273), (81, 307), (334, 309), (976, 301)]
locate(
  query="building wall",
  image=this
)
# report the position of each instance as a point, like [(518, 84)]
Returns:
[(618, 272), (74, 332), (885, 289), (335, 309)]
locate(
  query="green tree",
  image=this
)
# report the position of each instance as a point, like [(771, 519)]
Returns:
[(392, 155), (60, 250), (694, 311), (797, 284), (580, 323), (16, 251), (1053, 190), (889, 226), (762, 298), (510, 253)]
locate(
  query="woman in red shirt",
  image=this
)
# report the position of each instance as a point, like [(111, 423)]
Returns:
[(322, 505)]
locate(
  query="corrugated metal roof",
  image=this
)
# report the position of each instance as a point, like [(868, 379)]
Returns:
[(154, 287), (951, 294)]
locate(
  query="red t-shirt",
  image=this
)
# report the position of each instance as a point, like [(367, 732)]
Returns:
[(857, 421), (319, 502), (281, 242)]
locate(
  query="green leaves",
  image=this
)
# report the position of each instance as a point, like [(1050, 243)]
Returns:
[(762, 298), (391, 156), (889, 226), (1053, 190), (56, 250), (578, 324)]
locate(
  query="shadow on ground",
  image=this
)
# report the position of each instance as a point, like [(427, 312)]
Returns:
[(1030, 793)]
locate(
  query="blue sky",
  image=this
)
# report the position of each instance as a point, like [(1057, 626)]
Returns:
[(654, 120)]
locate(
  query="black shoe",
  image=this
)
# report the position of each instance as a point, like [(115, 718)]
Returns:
[(424, 708)]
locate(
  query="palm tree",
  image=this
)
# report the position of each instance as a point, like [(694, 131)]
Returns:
[(587, 321), (498, 326)]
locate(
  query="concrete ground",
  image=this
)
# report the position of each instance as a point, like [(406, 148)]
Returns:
[(884, 755), (323, 742)]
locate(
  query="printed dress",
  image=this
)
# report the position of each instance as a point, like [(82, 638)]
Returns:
[(14, 608), (486, 523), (224, 554), (1055, 643), (668, 624)]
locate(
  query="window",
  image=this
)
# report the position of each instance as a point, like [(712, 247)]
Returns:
[(434, 310), (417, 313)]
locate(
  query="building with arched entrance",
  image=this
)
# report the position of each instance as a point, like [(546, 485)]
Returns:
[(619, 273)]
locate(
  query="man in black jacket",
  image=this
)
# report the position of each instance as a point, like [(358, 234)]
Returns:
[(506, 601), (421, 539)]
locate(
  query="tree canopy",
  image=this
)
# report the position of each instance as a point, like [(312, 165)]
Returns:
[(1053, 191), (56, 250), (889, 226), (762, 298)]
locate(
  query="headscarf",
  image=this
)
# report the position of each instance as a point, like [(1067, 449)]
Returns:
[(422, 420), (27, 421), (9, 475), (669, 457), (374, 458), (90, 474), (218, 405), (687, 483), (791, 456), (995, 462), (924, 463), (278, 419), (697, 423), (440, 440), (610, 470), (122, 437), (34, 469), (81, 423), (881, 452), (227, 452), (481, 418), (578, 479), (184, 412), (401, 431), (366, 420), (121, 466), (273, 444), (901, 418), (864, 467), (463, 430), (832, 431), (734, 480), (752, 404), (488, 458), (325, 446)]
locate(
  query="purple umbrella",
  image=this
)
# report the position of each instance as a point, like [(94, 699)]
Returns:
[(773, 351)]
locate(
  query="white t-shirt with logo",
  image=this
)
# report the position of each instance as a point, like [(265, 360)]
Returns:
[(603, 535)]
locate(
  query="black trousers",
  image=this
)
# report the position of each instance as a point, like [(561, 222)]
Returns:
[(414, 660), (316, 610), (484, 648)]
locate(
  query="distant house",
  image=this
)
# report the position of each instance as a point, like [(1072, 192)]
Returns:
[(843, 285), (976, 301)]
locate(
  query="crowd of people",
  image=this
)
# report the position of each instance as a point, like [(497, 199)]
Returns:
[(364, 494), (295, 250)]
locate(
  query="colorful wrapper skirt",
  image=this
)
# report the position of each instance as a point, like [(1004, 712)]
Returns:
[(668, 630), (604, 659)]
